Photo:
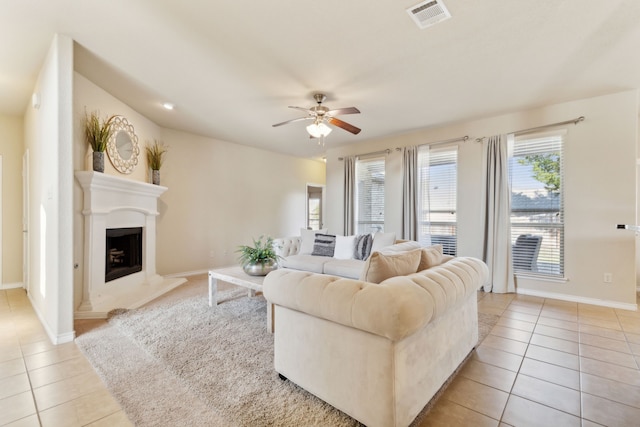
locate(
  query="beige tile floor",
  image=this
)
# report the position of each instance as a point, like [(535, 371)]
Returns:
[(545, 363)]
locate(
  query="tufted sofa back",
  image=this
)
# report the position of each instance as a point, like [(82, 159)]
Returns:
[(287, 246)]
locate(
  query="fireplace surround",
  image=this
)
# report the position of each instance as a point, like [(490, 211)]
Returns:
[(114, 203)]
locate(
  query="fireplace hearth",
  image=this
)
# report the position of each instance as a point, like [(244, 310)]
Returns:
[(123, 252)]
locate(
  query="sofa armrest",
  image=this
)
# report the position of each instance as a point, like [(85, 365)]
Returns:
[(286, 246)]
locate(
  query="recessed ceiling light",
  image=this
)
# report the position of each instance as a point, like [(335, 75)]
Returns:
[(168, 106)]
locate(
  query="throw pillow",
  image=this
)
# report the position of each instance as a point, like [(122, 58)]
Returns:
[(324, 245), (307, 239), (431, 257), (381, 240), (362, 246), (380, 267), (344, 247)]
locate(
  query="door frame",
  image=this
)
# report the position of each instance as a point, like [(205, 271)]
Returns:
[(25, 220), (322, 203)]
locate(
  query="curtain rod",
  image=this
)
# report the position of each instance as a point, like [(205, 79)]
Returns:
[(387, 151), (520, 132), (446, 141)]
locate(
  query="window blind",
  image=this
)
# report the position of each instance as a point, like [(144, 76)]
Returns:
[(438, 175), (370, 175), (537, 203)]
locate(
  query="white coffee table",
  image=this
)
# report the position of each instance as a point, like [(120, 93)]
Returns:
[(236, 276)]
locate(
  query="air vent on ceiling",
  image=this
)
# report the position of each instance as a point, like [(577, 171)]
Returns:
[(428, 13)]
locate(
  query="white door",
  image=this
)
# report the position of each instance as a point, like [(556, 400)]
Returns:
[(25, 220)]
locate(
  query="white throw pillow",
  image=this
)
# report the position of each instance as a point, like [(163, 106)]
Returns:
[(382, 240), (307, 239), (344, 247)]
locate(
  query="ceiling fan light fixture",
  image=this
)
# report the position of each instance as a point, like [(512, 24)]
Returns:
[(318, 130)]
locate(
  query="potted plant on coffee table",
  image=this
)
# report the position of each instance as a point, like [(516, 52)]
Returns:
[(259, 259), (97, 133)]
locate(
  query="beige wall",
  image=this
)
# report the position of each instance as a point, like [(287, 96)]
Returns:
[(221, 195), (600, 190), (11, 149)]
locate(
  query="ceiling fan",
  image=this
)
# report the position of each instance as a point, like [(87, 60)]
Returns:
[(321, 115)]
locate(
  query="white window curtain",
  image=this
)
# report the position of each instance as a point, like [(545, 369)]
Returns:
[(410, 193), (497, 209), (349, 195)]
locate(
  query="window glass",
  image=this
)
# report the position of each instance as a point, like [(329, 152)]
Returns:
[(438, 180), (537, 208), (370, 174)]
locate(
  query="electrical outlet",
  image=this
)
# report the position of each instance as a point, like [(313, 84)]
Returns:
[(608, 278)]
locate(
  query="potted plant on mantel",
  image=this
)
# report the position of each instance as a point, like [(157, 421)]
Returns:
[(259, 259), (155, 154), (97, 133)]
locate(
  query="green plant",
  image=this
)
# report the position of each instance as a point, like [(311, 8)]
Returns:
[(155, 155), (97, 131), (260, 253)]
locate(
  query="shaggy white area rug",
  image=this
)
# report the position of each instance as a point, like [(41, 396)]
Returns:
[(183, 363)]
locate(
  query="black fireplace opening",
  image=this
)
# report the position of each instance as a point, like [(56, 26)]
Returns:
[(124, 252)]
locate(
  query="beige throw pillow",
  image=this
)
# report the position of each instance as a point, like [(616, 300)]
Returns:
[(380, 267), (431, 257)]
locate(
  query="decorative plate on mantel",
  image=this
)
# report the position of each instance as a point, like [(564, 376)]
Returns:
[(123, 147)]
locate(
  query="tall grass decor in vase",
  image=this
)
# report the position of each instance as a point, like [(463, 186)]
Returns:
[(97, 132), (155, 158)]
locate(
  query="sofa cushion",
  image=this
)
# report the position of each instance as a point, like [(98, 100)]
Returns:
[(362, 248), (324, 245), (314, 264), (351, 268), (307, 239), (345, 246), (381, 266), (382, 240), (431, 257), (405, 246)]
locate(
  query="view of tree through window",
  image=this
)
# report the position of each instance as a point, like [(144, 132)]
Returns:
[(537, 215), (370, 195)]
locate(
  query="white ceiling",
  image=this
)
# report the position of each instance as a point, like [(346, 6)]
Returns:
[(232, 67)]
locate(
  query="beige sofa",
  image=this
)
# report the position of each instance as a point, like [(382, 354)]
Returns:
[(376, 351), (288, 249)]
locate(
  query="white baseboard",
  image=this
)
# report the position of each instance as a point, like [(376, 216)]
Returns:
[(15, 285), (574, 298), (55, 339)]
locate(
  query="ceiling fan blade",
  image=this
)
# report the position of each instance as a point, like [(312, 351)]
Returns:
[(292, 120), (306, 110), (344, 125), (348, 110)]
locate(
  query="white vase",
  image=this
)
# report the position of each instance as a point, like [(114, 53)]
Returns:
[(155, 177)]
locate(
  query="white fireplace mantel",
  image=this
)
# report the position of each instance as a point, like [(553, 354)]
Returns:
[(114, 202)]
